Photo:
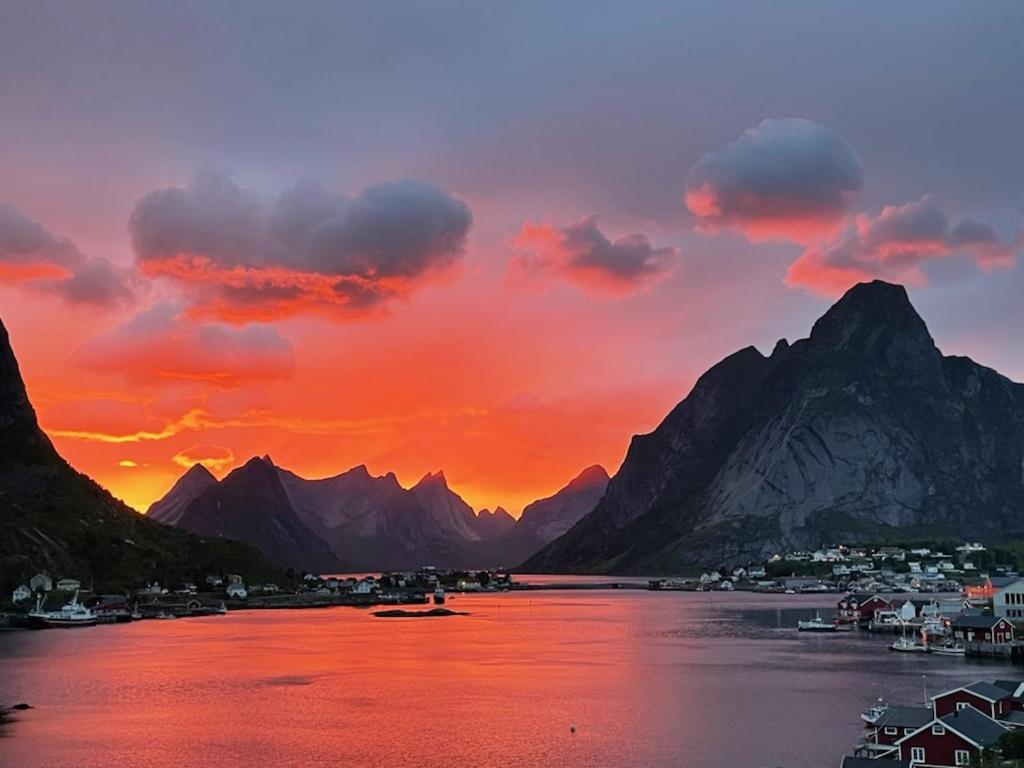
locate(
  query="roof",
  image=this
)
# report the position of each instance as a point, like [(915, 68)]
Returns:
[(976, 622), (905, 717), (987, 690), (974, 726), (862, 598), (870, 762), (1003, 581), (1016, 717)]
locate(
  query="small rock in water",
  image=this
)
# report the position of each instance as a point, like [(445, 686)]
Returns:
[(572, 729), (22, 706)]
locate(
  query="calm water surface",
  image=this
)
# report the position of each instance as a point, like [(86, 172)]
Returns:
[(647, 679)]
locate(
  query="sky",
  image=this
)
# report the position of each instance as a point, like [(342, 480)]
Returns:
[(496, 239)]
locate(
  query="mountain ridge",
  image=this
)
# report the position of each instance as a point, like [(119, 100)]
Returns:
[(861, 430)]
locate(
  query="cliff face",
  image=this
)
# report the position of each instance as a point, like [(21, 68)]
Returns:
[(547, 519), (252, 505), (861, 431), (54, 518), (171, 507)]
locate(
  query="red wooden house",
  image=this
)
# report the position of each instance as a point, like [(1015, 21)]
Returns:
[(950, 741), (860, 607), (994, 630), (989, 699)]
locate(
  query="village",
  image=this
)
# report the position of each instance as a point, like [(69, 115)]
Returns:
[(46, 603), (981, 723)]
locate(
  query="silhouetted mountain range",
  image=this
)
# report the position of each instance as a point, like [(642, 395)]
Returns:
[(54, 518), (357, 521), (863, 431)]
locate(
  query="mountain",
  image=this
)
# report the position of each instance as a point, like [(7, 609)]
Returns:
[(57, 519), (862, 431), (492, 525), (547, 519), (251, 504), (332, 501), (449, 513), (170, 508)]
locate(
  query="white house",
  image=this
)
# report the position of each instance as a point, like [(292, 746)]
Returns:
[(1008, 600), (41, 582), (365, 586), (237, 590), (756, 572), (21, 593)]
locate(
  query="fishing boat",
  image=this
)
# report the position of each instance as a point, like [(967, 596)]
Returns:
[(905, 644), (873, 714), (949, 649), (816, 625), (439, 597), (73, 614)]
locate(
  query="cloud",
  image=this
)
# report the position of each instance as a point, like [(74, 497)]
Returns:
[(788, 179), (309, 250), (213, 457), (895, 245), (163, 343), (32, 255), (581, 254)]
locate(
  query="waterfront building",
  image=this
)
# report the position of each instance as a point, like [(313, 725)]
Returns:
[(953, 740), (237, 590), (989, 699), (1008, 599), (860, 607), (983, 630), (21, 593), (69, 585), (41, 582)]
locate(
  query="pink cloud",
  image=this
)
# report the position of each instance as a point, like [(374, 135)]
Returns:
[(584, 256)]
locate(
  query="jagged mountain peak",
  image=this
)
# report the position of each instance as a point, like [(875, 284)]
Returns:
[(874, 318), (592, 475), (860, 432), (198, 470)]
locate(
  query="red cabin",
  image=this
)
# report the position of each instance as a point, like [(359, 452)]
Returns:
[(951, 741), (854, 608), (990, 700), (990, 630)]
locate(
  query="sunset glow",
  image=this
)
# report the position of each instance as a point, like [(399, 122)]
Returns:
[(461, 264)]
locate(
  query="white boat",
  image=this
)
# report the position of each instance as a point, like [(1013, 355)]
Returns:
[(439, 596), (74, 614), (907, 645), (950, 649), (873, 714), (816, 625)]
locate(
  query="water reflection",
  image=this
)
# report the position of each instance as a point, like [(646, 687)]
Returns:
[(646, 679)]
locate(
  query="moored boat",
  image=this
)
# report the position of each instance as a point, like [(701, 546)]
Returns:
[(73, 614), (908, 645), (949, 649), (439, 597), (817, 624)]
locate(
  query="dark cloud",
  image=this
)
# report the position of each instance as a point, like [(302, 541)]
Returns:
[(787, 178), (31, 254), (580, 253), (164, 343), (310, 249), (896, 245)]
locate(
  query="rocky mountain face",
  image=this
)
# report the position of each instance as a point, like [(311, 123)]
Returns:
[(251, 504), (547, 519), (862, 431), (492, 525), (352, 521), (170, 508), (54, 518)]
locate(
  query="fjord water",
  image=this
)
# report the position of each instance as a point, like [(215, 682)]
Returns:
[(646, 679)]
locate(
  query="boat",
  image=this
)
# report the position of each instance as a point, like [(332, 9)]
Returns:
[(817, 625), (873, 714), (949, 649), (905, 644), (439, 596), (73, 614)]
